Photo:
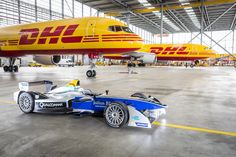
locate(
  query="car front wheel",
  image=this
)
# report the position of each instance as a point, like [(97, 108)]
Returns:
[(26, 102), (116, 114)]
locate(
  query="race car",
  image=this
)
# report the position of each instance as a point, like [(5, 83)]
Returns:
[(138, 110), (52, 100)]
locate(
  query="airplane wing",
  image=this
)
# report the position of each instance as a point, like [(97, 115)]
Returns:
[(147, 58)]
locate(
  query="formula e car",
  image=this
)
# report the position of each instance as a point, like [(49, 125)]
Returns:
[(138, 110)]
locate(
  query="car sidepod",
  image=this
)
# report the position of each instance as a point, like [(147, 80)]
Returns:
[(52, 105)]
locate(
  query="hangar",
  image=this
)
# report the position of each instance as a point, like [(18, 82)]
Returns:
[(198, 103)]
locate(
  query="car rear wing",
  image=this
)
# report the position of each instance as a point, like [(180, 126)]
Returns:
[(24, 86)]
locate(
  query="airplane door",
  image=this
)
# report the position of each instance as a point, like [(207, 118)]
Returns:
[(90, 30)]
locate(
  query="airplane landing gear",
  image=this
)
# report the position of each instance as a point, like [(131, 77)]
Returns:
[(11, 67), (91, 72), (130, 66)]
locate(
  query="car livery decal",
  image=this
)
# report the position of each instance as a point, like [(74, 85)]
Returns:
[(135, 118), (141, 124), (50, 104)]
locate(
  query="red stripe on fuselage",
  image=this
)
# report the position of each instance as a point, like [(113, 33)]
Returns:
[(73, 39), (117, 57), (160, 58), (123, 37), (19, 53), (180, 58), (91, 41), (120, 35), (119, 40)]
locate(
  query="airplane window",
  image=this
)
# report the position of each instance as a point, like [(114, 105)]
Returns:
[(206, 48), (118, 28), (127, 29), (112, 28)]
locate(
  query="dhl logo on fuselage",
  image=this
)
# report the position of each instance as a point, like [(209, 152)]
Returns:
[(169, 50), (30, 36)]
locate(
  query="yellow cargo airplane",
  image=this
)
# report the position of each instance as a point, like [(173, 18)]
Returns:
[(90, 35), (167, 52)]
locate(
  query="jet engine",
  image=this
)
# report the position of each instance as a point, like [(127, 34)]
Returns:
[(147, 58), (47, 60)]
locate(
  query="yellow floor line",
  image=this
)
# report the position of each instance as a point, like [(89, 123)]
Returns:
[(7, 102), (195, 129)]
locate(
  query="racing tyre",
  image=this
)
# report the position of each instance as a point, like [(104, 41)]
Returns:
[(94, 73), (26, 102), (116, 114), (89, 73)]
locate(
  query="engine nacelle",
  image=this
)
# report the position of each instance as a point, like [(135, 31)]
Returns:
[(147, 58), (47, 60)]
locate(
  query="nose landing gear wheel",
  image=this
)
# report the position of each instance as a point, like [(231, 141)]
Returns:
[(116, 115), (10, 68), (91, 73), (94, 73)]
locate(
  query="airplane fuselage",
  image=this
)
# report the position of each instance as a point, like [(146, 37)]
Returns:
[(173, 52), (68, 36)]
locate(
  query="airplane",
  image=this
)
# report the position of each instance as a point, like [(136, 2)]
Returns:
[(48, 40), (168, 52)]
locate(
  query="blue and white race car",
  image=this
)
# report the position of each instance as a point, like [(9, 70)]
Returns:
[(138, 110)]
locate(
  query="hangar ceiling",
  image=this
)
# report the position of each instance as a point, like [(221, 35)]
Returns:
[(178, 15)]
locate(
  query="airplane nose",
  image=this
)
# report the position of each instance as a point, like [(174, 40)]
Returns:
[(122, 43), (136, 41)]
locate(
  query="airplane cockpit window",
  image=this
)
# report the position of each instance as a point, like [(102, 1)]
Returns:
[(206, 48), (120, 28), (127, 29), (112, 28)]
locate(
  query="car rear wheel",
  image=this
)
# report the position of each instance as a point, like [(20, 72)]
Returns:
[(26, 102), (116, 114)]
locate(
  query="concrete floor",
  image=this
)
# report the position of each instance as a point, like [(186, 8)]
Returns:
[(199, 97)]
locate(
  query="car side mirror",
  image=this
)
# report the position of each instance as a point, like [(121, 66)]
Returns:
[(107, 91)]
